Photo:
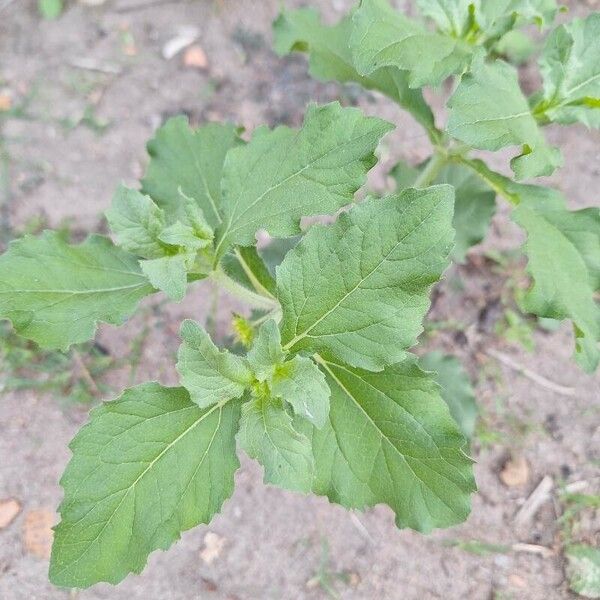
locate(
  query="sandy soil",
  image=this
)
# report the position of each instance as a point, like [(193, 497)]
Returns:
[(273, 541)]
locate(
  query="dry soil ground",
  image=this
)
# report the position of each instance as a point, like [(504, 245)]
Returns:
[(83, 130)]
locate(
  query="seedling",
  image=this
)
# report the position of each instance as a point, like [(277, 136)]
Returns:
[(325, 393)]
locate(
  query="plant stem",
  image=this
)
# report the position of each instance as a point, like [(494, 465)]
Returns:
[(432, 168), (258, 286), (239, 291)]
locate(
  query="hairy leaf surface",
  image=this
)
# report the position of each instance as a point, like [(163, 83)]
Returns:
[(359, 289), (570, 65), (148, 466), (489, 111), (390, 439), (330, 58), (474, 203), (190, 160), (210, 375), (55, 293), (283, 174), (267, 434), (384, 37), (562, 257)]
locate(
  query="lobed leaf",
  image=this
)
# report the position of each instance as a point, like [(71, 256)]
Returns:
[(359, 289), (570, 65), (147, 466), (191, 161), (267, 434), (330, 58), (474, 204), (489, 111), (55, 293), (210, 375), (390, 439), (283, 175), (383, 37), (564, 270)]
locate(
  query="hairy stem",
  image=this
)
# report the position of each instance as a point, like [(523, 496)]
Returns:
[(239, 291), (431, 171)]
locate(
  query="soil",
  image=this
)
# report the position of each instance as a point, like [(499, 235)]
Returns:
[(269, 543)]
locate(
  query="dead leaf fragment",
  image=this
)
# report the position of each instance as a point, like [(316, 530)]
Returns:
[(213, 545), (195, 58), (37, 532), (186, 35), (5, 102), (515, 472), (9, 509)]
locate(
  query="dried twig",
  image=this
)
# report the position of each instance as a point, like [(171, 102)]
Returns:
[(540, 495), (144, 5), (91, 65), (535, 377), (542, 551)]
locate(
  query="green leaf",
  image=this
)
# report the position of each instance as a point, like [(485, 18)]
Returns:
[(330, 58), (474, 205), (390, 439), (359, 289), (489, 111), (210, 375), (563, 269), (50, 9), (383, 37), (55, 293), (283, 175), (451, 16), (300, 383), (191, 161), (167, 274), (141, 228), (246, 266), (570, 65), (583, 570), (147, 466), (137, 223), (456, 391), (266, 352), (267, 434)]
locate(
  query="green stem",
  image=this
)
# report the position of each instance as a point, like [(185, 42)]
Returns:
[(239, 291), (258, 286), (431, 171)]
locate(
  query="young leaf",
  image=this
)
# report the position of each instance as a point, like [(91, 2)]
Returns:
[(563, 284), (302, 385), (390, 439), (148, 466), (474, 205), (266, 352), (50, 9), (570, 65), (330, 58), (299, 382), (383, 37), (489, 111), (191, 161), (55, 293), (267, 434), (141, 228), (283, 175), (209, 374), (456, 389), (167, 274), (137, 223), (359, 289)]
